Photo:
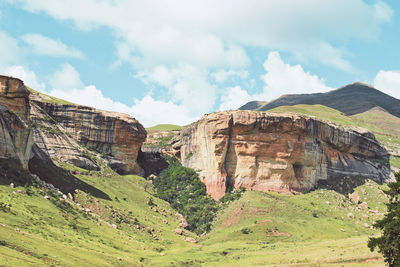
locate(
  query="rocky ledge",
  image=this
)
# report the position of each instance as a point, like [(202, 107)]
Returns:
[(117, 137), (277, 152), (15, 132), (34, 125)]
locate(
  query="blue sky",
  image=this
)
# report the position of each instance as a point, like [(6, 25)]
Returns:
[(173, 61)]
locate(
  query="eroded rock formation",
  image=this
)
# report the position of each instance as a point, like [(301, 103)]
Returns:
[(118, 137), (15, 131), (36, 125), (276, 152)]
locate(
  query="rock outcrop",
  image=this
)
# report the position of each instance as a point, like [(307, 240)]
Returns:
[(277, 152), (15, 132), (39, 126), (64, 128)]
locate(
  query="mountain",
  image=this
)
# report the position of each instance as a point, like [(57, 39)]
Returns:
[(351, 99)]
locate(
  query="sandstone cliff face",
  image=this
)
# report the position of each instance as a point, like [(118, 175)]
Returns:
[(63, 128), (15, 133), (276, 152), (35, 125)]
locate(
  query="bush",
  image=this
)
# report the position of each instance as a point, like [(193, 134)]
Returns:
[(245, 230), (389, 243), (182, 188), (232, 195)]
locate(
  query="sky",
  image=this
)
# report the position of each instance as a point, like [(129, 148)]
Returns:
[(170, 61)]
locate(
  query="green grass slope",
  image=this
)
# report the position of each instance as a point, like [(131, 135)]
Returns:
[(165, 127), (272, 229), (40, 228), (49, 99)]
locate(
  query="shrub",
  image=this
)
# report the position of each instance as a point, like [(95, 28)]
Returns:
[(182, 188), (389, 243), (245, 230)]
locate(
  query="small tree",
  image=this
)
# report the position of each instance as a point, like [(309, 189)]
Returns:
[(389, 243)]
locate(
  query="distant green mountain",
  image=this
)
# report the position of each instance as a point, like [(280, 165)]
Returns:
[(164, 127), (351, 99)]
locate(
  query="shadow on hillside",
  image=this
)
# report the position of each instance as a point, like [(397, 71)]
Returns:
[(343, 185), (11, 171), (62, 179)]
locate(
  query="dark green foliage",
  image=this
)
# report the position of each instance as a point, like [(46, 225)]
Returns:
[(314, 214), (150, 202), (182, 188), (245, 231), (11, 171), (389, 243), (233, 195), (5, 207)]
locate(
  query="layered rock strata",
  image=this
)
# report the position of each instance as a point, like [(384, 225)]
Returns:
[(276, 152), (118, 137), (15, 132), (36, 125)]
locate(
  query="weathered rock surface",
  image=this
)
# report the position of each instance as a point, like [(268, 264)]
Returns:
[(15, 132), (276, 152), (62, 128), (52, 143), (152, 161), (33, 122)]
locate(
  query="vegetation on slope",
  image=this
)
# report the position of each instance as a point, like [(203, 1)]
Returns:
[(351, 99), (135, 227), (41, 227), (389, 243), (164, 127), (182, 188), (48, 98)]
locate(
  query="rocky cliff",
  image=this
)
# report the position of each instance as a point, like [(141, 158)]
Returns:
[(63, 128), (36, 125), (277, 152), (15, 132)]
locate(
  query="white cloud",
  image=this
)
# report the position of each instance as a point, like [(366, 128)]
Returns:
[(388, 82), (46, 46), (147, 110), (9, 51), (67, 85), (175, 44), (28, 76), (234, 98), (209, 34), (186, 85), (66, 78), (280, 78), (223, 75)]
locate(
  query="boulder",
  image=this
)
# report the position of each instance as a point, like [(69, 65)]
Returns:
[(355, 198)]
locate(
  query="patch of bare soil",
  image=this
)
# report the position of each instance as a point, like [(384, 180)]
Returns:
[(241, 212)]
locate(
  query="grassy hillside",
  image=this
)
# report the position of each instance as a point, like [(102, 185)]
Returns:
[(48, 98), (41, 228), (132, 227), (351, 99), (272, 229), (164, 127)]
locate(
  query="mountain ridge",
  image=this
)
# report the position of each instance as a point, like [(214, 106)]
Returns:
[(350, 99)]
